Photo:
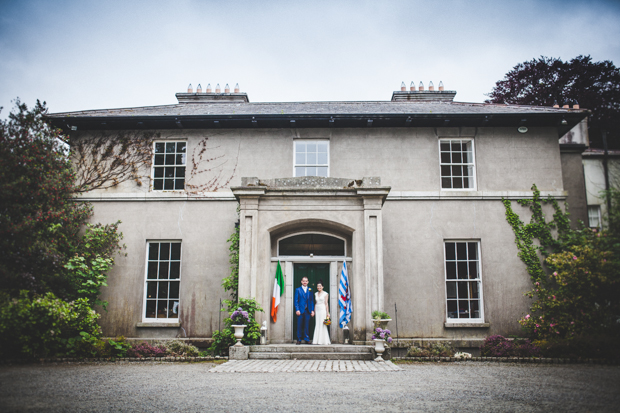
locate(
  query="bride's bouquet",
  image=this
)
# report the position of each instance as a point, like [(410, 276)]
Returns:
[(327, 321)]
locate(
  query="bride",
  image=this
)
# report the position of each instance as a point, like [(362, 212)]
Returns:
[(321, 311)]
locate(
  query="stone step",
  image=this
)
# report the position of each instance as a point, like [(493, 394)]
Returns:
[(305, 348), (309, 356)]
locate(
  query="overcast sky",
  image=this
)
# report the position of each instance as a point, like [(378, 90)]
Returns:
[(82, 54)]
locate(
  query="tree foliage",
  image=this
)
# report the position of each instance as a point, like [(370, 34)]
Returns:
[(546, 81), (41, 222)]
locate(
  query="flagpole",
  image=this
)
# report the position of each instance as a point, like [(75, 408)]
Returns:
[(396, 313)]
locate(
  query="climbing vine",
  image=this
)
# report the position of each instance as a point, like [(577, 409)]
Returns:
[(536, 240)]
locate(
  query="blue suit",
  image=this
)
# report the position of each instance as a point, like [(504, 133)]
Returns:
[(304, 303)]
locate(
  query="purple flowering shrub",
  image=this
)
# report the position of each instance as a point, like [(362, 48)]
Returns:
[(500, 346), (381, 334), (144, 349), (239, 317)]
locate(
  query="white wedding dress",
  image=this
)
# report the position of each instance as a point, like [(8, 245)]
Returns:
[(321, 335)]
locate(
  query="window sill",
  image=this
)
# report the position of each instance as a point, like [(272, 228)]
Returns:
[(467, 325), (158, 325)]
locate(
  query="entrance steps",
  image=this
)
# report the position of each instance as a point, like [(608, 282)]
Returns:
[(311, 352)]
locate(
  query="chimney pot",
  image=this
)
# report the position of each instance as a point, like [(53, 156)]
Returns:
[(575, 105), (226, 88), (412, 87), (403, 88), (565, 106), (209, 88), (190, 89), (440, 86), (421, 86), (430, 86), (237, 88), (198, 88), (217, 88)]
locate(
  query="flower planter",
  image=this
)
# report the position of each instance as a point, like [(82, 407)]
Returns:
[(239, 333), (381, 323), (379, 348)]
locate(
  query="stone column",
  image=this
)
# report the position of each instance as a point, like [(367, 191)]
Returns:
[(248, 246), (373, 257)]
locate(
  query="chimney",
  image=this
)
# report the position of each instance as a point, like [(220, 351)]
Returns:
[(210, 97), (431, 95)]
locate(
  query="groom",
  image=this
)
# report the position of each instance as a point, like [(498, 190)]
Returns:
[(304, 308)]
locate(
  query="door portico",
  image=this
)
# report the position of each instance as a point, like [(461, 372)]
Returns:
[(271, 210)]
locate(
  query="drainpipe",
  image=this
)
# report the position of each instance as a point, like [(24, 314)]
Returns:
[(606, 170)]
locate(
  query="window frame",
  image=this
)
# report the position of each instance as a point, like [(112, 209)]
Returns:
[(153, 166), (474, 176), (598, 213), (479, 280), (316, 165), (146, 319)]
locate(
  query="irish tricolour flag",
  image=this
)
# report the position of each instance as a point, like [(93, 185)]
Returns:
[(278, 289)]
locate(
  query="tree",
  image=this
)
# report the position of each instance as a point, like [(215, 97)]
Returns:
[(547, 81), (41, 223)]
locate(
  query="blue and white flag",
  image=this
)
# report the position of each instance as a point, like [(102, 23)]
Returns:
[(344, 299)]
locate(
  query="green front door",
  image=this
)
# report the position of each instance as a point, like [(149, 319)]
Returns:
[(315, 273)]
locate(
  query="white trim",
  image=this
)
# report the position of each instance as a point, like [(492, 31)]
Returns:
[(146, 271), (473, 163), (317, 259), (455, 321), (309, 232), (296, 141)]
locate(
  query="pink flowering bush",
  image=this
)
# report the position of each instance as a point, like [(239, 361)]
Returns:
[(499, 346), (145, 349)]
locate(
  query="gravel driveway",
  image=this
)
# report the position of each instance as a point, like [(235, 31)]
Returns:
[(463, 386)]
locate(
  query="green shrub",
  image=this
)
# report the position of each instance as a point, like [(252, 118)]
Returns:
[(438, 349), (181, 348), (251, 334), (380, 315), (46, 326)]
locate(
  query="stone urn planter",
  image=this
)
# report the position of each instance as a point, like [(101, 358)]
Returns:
[(381, 323), (239, 333), (379, 348)]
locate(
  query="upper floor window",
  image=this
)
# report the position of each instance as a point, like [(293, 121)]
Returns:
[(169, 166), (456, 157), (312, 158)]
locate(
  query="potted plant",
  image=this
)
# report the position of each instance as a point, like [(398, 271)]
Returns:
[(380, 337), (239, 320), (380, 319)]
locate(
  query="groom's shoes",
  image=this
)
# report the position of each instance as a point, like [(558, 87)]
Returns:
[(298, 342)]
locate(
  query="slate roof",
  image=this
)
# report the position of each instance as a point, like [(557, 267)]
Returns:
[(317, 108)]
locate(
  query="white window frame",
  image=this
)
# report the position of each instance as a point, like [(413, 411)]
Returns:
[(153, 166), (305, 141), (479, 280), (597, 209), (473, 178), (146, 319)]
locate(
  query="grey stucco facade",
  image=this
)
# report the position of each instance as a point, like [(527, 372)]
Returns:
[(395, 218)]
